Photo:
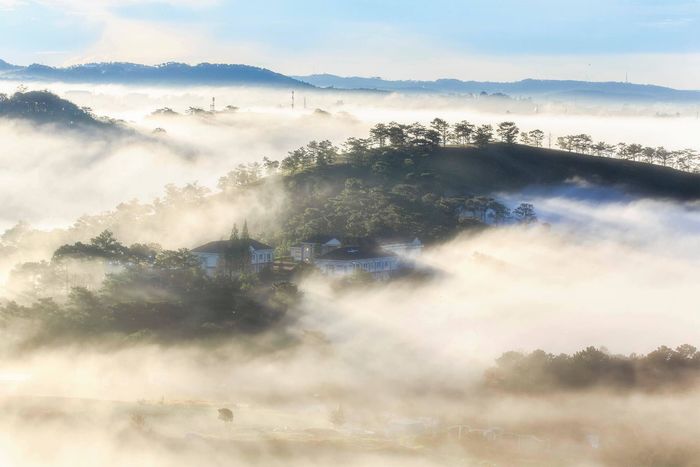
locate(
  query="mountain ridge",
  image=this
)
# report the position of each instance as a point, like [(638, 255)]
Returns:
[(238, 74), (529, 87), (165, 73)]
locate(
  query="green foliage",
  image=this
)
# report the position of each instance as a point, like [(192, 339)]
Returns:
[(106, 247), (171, 299), (361, 210), (508, 132), (241, 176), (314, 154), (483, 135), (543, 372), (462, 132), (46, 107)]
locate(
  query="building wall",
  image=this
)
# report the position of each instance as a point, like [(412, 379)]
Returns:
[(209, 261), (259, 260), (378, 267), (307, 251), (407, 249)]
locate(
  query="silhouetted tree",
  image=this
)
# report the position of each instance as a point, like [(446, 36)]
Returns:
[(508, 132), (483, 135), (443, 128), (462, 132), (525, 213), (536, 137)]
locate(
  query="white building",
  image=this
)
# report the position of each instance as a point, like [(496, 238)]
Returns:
[(408, 247), (307, 250), (212, 255), (347, 260)]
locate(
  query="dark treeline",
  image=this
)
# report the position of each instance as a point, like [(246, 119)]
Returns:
[(540, 371), (148, 293), (687, 160), (46, 107)]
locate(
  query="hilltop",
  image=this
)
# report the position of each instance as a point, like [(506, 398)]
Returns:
[(434, 191), (45, 107)]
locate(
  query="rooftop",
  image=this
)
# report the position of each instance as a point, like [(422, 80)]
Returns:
[(221, 245), (349, 253), (320, 239)]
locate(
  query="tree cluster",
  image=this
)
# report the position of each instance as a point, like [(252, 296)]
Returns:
[(46, 107), (539, 371), (686, 159), (243, 175), (167, 296), (489, 211), (314, 154)]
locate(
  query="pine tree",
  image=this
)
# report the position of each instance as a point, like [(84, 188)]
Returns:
[(234, 233), (244, 232)]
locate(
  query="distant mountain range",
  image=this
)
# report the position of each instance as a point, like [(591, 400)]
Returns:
[(167, 73), (4, 66), (245, 75), (568, 90)]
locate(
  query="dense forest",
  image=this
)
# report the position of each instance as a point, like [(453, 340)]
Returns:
[(45, 107), (147, 293)]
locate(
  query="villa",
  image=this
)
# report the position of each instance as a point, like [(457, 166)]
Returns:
[(347, 260), (307, 250), (212, 255)]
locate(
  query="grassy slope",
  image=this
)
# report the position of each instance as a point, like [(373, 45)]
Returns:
[(499, 167), (512, 168)]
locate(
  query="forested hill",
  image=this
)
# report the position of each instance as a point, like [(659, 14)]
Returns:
[(502, 167), (167, 73), (423, 190), (45, 107)]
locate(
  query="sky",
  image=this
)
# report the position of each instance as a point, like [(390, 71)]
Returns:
[(649, 41)]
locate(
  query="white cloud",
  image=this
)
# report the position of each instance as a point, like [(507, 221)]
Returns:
[(8, 5)]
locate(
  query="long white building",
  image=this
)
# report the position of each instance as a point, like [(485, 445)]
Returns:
[(347, 260)]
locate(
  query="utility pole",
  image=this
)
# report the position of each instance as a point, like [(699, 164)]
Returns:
[(292, 100), (213, 105), (550, 140)]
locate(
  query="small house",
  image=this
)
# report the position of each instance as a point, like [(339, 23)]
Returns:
[(213, 255), (307, 250)]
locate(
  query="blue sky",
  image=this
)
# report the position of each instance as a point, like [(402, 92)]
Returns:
[(480, 39)]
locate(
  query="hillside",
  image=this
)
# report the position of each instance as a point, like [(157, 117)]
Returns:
[(45, 107), (167, 73), (385, 192), (499, 167), (504, 168), (553, 89)]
